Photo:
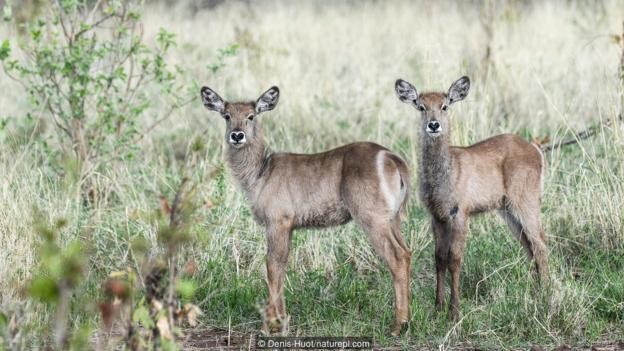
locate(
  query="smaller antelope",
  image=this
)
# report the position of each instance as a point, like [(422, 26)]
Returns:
[(504, 172), (363, 181)]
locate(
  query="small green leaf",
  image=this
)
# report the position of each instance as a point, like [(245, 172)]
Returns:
[(4, 321), (5, 50), (81, 338), (186, 288), (141, 315), (44, 289), (139, 245), (7, 12), (168, 345), (198, 145), (165, 39)]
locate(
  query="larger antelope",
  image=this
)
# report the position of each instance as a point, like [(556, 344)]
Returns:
[(361, 181), (503, 173)]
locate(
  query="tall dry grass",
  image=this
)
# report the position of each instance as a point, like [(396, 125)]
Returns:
[(553, 71)]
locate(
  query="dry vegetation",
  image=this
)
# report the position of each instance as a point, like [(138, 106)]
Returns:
[(552, 69)]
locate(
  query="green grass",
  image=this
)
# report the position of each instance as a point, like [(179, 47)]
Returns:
[(336, 285), (501, 302)]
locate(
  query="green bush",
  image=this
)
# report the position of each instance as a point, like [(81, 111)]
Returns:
[(89, 74)]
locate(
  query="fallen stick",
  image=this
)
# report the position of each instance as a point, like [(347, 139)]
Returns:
[(582, 135)]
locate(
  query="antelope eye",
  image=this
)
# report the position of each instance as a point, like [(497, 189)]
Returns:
[(421, 107), (227, 116), (250, 117), (444, 107)]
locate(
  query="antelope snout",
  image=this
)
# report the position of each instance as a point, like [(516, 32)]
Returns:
[(237, 137), (433, 128)]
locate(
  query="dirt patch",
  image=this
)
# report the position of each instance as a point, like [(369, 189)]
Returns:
[(216, 339)]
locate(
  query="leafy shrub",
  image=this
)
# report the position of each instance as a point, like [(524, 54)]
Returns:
[(90, 73)]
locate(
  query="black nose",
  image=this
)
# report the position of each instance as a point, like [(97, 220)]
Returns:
[(237, 136), (433, 125)]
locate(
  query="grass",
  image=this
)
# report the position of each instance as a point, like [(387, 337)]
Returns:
[(554, 71)]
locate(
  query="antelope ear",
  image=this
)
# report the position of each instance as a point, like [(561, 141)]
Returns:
[(406, 92), (212, 100), (268, 100), (459, 89)]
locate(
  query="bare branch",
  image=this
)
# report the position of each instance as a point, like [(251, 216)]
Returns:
[(163, 118), (94, 9), (582, 135), (68, 36), (175, 218), (94, 25)]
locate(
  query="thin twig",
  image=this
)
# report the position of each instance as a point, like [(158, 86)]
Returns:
[(92, 13), (176, 207), (62, 310), (443, 346), (621, 71), (94, 25), (175, 221), (62, 22), (163, 118), (582, 135), (491, 274), (8, 74)]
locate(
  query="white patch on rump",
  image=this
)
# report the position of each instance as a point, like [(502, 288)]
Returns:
[(543, 170), (393, 198)]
